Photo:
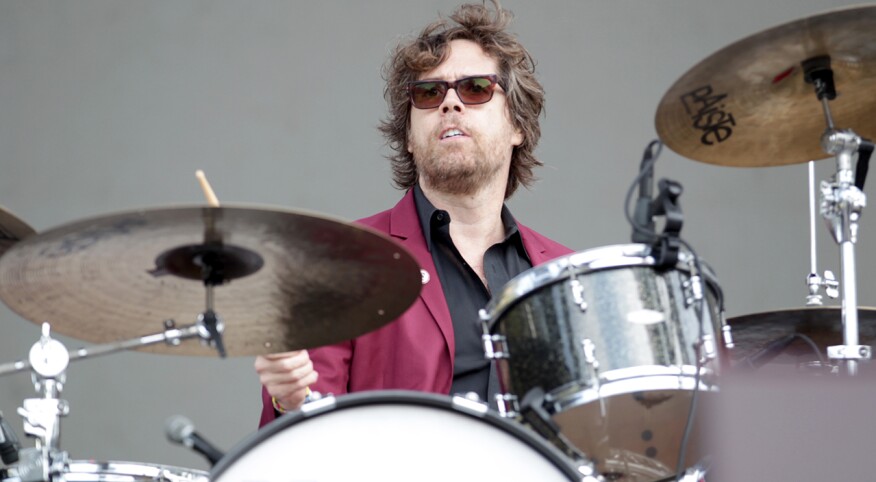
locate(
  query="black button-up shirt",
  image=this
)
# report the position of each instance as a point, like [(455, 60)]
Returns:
[(466, 294)]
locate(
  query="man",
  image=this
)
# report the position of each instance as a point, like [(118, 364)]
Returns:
[(464, 108)]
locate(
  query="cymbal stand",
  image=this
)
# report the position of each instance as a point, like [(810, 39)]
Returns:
[(841, 206), (814, 281), (48, 359), (42, 416)]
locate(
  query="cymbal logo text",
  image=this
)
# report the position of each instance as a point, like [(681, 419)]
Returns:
[(702, 106)]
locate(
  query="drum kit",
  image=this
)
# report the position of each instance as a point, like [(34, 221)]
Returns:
[(602, 354)]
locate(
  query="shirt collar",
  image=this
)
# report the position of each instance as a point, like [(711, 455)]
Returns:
[(429, 214)]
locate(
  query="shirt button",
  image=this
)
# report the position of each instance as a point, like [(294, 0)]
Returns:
[(440, 216)]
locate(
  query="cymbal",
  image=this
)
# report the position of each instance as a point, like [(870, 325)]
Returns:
[(292, 280), (748, 105), (12, 230), (822, 324)]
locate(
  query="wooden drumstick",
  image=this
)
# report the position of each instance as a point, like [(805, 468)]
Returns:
[(212, 200)]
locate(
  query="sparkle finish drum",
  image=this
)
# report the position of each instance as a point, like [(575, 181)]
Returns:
[(614, 343)]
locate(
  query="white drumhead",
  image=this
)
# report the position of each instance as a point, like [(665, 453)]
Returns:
[(392, 439)]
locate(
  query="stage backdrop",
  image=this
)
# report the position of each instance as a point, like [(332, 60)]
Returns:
[(110, 106)]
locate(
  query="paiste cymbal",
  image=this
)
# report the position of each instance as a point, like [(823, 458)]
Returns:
[(748, 105), (822, 324), (12, 230), (297, 280)]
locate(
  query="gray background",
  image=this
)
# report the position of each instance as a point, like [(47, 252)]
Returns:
[(109, 106)]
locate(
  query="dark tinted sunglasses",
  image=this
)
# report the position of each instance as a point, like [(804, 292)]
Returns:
[(429, 94)]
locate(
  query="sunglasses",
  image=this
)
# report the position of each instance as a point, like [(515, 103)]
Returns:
[(429, 94)]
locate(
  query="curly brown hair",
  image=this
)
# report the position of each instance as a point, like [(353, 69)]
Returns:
[(525, 94)]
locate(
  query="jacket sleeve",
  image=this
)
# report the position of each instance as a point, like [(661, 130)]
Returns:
[(332, 364)]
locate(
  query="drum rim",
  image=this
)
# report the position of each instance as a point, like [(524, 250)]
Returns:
[(398, 397), (90, 466), (584, 262)]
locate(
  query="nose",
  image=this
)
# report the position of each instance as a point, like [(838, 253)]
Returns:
[(451, 102)]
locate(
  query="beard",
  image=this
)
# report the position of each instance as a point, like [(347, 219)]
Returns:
[(459, 168)]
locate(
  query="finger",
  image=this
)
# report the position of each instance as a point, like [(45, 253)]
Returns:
[(285, 376), (285, 354), (285, 391), (279, 365)]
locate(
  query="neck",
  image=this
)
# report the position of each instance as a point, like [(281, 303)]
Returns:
[(476, 218)]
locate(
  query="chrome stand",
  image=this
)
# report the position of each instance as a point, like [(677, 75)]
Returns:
[(814, 281), (841, 206), (48, 359)]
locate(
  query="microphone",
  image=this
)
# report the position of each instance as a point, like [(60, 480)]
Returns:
[(644, 216), (181, 430)]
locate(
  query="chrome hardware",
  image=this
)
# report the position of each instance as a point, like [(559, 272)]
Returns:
[(815, 283), (495, 347), (507, 405), (590, 353), (709, 350), (466, 404), (849, 352), (727, 331), (841, 208), (578, 294), (693, 290)]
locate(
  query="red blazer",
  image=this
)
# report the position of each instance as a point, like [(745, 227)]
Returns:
[(414, 352)]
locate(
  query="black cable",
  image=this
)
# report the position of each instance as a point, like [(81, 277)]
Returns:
[(649, 158), (812, 345), (699, 310), (775, 347)]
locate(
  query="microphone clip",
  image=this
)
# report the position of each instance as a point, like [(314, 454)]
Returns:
[(666, 247)]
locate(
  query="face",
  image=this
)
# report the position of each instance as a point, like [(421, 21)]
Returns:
[(460, 148)]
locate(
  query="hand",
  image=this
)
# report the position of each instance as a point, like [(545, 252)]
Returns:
[(286, 376)]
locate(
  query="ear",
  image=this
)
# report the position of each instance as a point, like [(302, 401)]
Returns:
[(517, 137)]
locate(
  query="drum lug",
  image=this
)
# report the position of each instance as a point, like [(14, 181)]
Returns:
[(495, 347), (320, 405), (728, 337), (470, 404), (590, 358), (693, 290), (709, 350), (508, 405), (578, 294)]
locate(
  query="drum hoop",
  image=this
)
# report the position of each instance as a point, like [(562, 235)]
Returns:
[(123, 467), (583, 262), (397, 397)]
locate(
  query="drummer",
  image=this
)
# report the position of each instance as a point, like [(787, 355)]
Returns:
[(464, 108)]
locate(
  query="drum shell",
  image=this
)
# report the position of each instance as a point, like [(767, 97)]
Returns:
[(545, 330), (613, 341)]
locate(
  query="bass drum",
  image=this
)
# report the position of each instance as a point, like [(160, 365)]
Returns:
[(393, 436), (614, 343)]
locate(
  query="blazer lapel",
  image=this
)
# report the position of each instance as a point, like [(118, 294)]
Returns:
[(533, 246), (404, 225)]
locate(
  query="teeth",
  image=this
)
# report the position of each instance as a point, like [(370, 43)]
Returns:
[(452, 133)]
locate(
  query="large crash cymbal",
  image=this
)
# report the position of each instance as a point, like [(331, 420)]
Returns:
[(12, 230), (748, 105), (296, 280), (822, 324)]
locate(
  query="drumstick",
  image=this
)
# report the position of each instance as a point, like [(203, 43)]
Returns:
[(212, 200)]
